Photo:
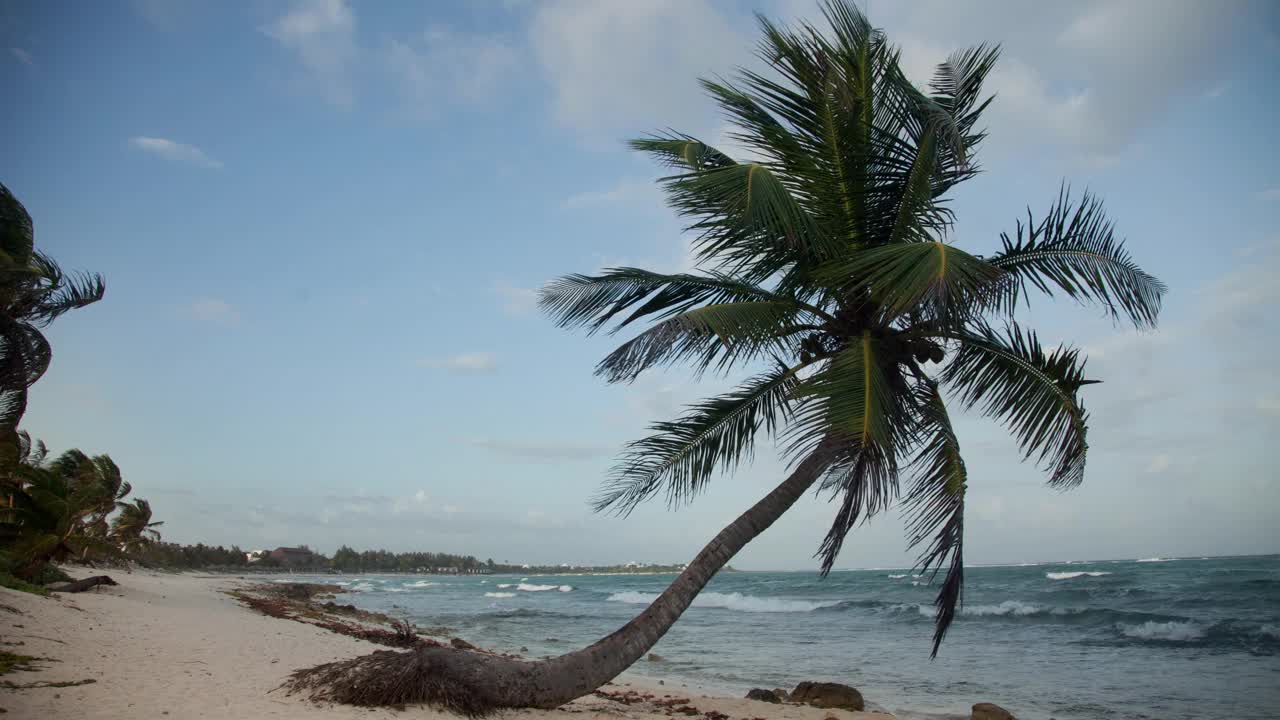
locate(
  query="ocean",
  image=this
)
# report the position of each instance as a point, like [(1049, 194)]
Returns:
[(1164, 639)]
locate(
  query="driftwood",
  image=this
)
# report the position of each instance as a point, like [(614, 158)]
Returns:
[(82, 585)]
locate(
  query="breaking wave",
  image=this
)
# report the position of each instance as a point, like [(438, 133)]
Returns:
[(499, 595), (1168, 631), (731, 601), (541, 588), (1070, 575)]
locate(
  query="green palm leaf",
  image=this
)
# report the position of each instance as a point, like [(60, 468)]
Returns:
[(930, 277), (935, 507), (1031, 390), (594, 301), (682, 151), (743, 213), (1074, 248), (850, 397), (713, 435), (712, 335)]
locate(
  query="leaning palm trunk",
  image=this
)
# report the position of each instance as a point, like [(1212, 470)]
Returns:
[(475, 683)]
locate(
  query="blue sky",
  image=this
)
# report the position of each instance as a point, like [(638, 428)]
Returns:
[(322, 224)]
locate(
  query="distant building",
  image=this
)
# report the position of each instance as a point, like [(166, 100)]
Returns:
[(291, 557)]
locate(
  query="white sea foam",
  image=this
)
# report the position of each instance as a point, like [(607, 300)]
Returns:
[(904, 575), (362, 587), (499, 595), (1069, 575), (538, 588), (565, 588), (421, 584), (1170, 631), (730, 601), (507, 585), (397, 589), (1008, 607), (1156, 559)]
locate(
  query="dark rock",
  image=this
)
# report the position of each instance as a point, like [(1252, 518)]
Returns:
[(524, 649), (763, 695), (655, 657), (461, 644), (828, 695), (783, 695), (990, 711)]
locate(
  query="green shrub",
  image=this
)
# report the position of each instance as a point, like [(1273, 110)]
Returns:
[(50, 574), (13, 583)]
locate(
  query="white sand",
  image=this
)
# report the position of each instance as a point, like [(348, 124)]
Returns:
[(175, 645)]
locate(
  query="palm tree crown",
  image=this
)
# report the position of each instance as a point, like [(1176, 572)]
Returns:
[(34, 291), (132, 528), (825, 267)]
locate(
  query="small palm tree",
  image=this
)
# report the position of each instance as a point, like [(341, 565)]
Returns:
[(34, 291), (132, 530), (50, 514), (825, 268), (99, 479)]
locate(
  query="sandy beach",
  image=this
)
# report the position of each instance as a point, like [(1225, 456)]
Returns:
[(177, 645)]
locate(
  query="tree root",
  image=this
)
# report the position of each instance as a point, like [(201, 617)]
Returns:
[(390, 678)]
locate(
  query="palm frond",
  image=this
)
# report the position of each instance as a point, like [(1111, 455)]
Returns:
[(1074, 248), (935, 507), (17, 240), (850, 397), (682, 151), (742, 214), (957, 87), (933, 278), (1032, 391), (593, 301), (867, 483), (713, 435), (717, 336)]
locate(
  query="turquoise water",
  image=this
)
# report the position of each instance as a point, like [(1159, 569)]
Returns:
[(1161, 639)]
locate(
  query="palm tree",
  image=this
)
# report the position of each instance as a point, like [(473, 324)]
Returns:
[(825, 270), (132, 529), (34, 291), (99, 479), (50, 526)]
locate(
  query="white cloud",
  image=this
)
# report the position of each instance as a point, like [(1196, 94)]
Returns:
[(1270, 194), (442, 63), (543, 449), (518, 301), (1159, 463), (165, 14), (214, 310), (322, 33), (632, 65), (175, 151), (1092, 75), (475, 362), (23, 56), (637, 192)]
